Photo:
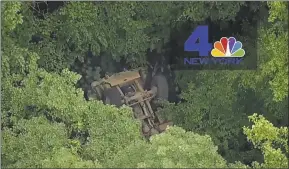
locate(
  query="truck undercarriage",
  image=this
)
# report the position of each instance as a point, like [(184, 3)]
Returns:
[(127, 88)]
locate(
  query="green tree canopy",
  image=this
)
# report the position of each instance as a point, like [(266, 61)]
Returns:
[(46, 121), (175, 148), (271, 140)]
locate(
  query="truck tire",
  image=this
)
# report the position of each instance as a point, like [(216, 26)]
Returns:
[(113, 97), (160, 82)]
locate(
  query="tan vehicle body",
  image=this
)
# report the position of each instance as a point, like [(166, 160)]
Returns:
[(134, 96)]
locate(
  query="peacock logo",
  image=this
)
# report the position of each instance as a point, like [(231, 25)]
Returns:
[(228, 47)]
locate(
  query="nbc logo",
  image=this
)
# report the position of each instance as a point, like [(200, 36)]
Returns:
[(227, 51), (228, 47)]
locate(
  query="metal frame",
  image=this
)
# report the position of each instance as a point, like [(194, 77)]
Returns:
[(139, 97)]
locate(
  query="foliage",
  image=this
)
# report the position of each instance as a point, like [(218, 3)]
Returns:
[(39, 89), (33, 97), (115, 125), (213, 100), (46, 145), (121, 32), (125, 30), (278, 11), (211, 105), (271, 140), (272, 54), (54, 96), (27, 152), (63, 158), (273, 63), (197, 11), (12, 17), (276, 67), (175, 148)]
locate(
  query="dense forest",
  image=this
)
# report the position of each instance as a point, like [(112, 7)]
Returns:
[(52, 51)]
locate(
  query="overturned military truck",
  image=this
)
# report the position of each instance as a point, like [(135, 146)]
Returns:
[(127, 88)]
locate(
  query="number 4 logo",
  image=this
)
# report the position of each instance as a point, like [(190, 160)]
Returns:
[(203, 47)]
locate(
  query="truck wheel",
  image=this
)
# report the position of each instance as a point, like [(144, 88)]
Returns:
[(145, 127), (113, 97), (142, 74), (154, 131), (143, 77), (159, 82)]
